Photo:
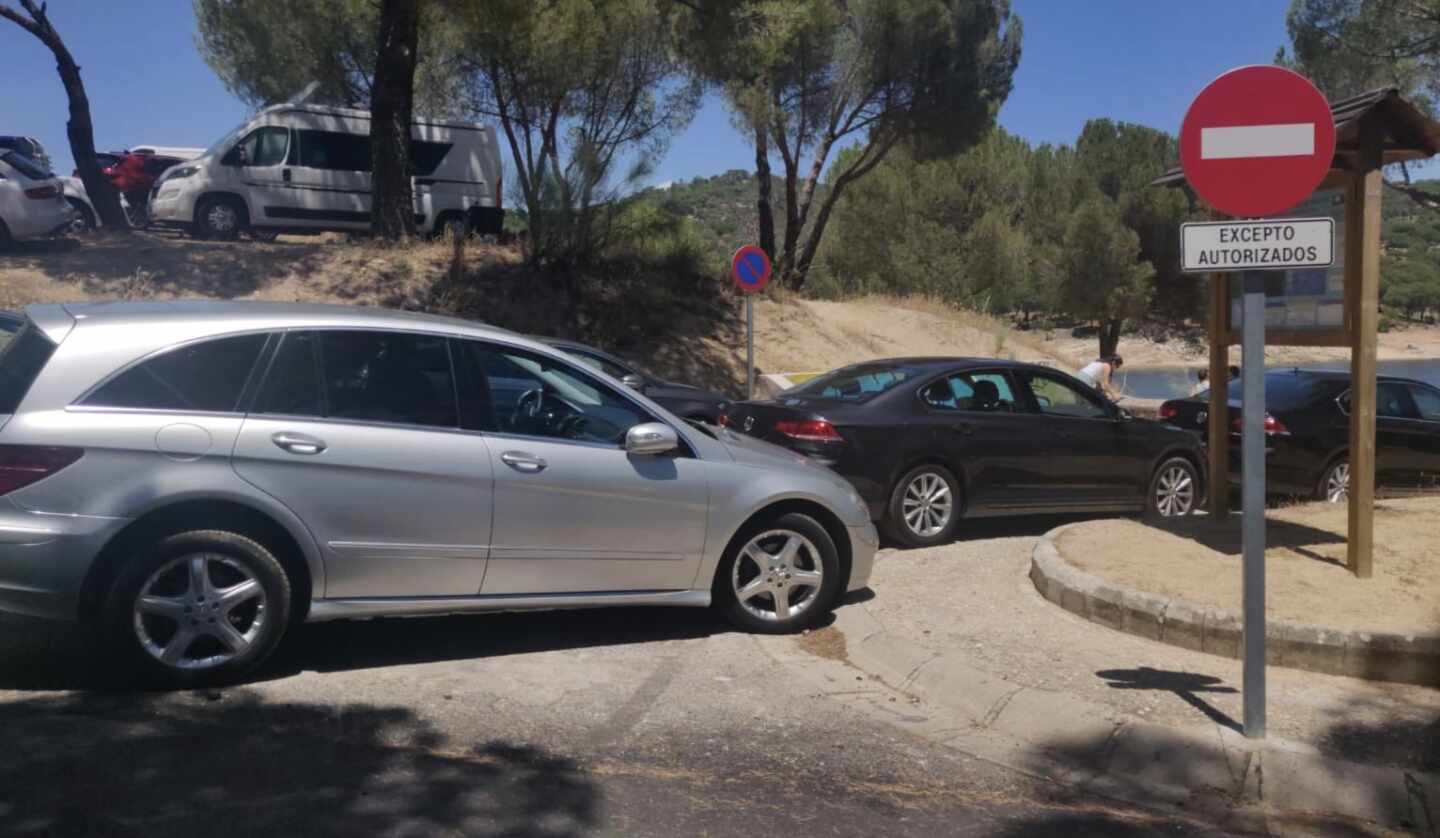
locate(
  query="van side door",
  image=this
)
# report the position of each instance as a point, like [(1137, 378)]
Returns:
[(331, 179), (259, 163)]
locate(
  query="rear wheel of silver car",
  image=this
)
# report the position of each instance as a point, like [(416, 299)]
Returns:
[(780, 575), (924, 507), (1174, 489), (200, 607), (219, 218), (1335, 482)]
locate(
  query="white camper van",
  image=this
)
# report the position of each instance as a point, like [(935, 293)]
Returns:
[(302, 168)]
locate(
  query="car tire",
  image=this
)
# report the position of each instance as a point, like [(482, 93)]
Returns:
[(925, 507), (84, 218), (1334, 483), (750, 593), (169, 619), (1174, 489), (219, 218)]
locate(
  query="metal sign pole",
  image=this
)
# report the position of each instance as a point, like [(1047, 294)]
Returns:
[(1252, 469), (749, 346)]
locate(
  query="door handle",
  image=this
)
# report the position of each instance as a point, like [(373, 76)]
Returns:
[(521, 461), (298, 443), (285, 174)]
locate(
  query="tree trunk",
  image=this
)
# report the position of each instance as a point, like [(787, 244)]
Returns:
[(78, 128), (1109, 336), (392, 202), (762, 201)]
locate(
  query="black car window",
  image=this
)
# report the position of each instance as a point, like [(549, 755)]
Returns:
[(1427, 401), (533, 395), (292, 386), (1056, 398), (206, 376), (425, 156), (858, 383), (976, 391), (1392, 399), (388, 377), (20, 363), (595, 362)]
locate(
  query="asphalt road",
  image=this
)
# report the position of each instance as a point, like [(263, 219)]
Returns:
[(626, 722)]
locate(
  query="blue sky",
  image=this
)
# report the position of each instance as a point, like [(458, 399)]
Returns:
[(1133, 60)]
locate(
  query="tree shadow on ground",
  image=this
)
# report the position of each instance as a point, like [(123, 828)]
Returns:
[(212, 763), (1226, 538), (38, 655), (145, 264)]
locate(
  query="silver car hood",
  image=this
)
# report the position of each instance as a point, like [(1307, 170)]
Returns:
[(752, 451)]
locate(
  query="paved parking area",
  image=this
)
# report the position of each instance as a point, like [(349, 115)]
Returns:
[(626, 722)]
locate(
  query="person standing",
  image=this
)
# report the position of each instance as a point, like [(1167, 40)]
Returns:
[(1100, 374)]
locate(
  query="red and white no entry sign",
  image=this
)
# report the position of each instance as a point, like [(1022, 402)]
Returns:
[(1257, 141)]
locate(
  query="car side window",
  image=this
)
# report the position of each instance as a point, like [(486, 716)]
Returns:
[(393, 377), (204, 376), (986, 392), (334, 150), (1392, 399), (1056, 398), (1427, 401), (292, 386), (263, 147), (533, 395)]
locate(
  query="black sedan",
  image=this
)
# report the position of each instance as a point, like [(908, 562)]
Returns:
[(1307, 432), (927, 441), (682, 400)]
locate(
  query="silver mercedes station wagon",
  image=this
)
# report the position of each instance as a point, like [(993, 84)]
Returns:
[(194, 477)]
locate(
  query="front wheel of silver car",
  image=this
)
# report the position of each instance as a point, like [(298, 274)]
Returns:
[(200, 607), (780, 575)]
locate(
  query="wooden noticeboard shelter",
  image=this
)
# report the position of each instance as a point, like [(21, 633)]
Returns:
[(1372, 130)]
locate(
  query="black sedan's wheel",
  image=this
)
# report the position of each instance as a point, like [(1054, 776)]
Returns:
[(1335, 482), (199, 607), (924, 507), (781, 576), (1174, 489)]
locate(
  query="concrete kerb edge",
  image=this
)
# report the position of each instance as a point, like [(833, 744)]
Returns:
[(1378, 656)]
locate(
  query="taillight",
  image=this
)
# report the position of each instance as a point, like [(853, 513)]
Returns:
[(1168, 411), (809, 430), (43, 192), (21, 465), (1273, 426)]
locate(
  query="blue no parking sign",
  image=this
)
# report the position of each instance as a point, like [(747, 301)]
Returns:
[(750, 268)]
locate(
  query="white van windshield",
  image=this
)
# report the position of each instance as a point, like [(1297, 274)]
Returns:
[(220, 144)]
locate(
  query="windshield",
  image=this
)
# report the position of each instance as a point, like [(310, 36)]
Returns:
[(25, 166), (857, 383), (220, 144)]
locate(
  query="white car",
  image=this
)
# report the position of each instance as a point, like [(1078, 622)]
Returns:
[(32, 200)]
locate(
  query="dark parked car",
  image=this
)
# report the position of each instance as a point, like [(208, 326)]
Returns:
[(1307, 432), (682, 400), (927, 441)]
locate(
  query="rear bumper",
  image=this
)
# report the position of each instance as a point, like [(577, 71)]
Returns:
[(864, 541), (44, 559)]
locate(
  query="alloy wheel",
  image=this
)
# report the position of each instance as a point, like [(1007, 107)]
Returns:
[(1175, 492), (199, 612), (927, 505), (777, 576), (1337, 483), (222, 218)]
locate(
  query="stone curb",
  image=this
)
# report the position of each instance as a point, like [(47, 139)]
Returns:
[(1377, 656)]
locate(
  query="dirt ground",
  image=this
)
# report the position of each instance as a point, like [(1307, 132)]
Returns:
[(1306, 580)]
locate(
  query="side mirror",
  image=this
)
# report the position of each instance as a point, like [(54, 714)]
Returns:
[(633, 381), (651, 438)]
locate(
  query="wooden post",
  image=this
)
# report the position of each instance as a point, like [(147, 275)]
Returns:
[(1218, 440), (1362, 269)]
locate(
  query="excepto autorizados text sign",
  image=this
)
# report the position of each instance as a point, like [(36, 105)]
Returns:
[(1274, 245)]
